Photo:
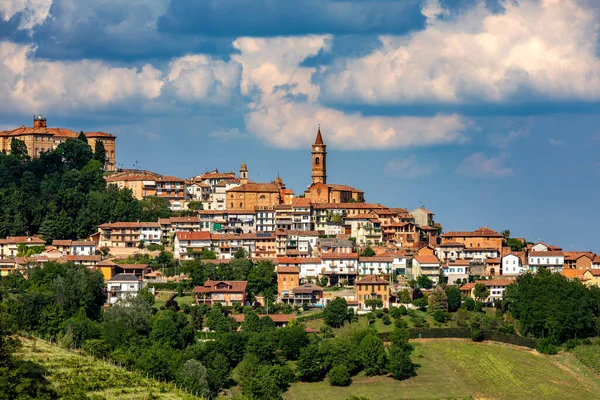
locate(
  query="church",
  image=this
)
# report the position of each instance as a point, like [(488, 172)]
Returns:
[(322, 192)]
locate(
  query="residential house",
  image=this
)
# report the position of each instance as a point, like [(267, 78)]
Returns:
[(280, 320), (287, 279), (495, 287), (128, 234), (576, 263), (283, 217), (427, 265), (264, 218), (227, 293), (334, 245), (449, 251), (596, 262), (9, 247), (308, 293), (366, 228), (455, 270), (173, 189), (301, 243), (492, 267), (422, 216), (482, 238), (188, 245), (310, 267), (301, 214), (512, 265), (372, 287), (551, 260), (141, 183), (122, 285), (591, 277), (376, 265), (339, 266), (75, 247), (400, 234)]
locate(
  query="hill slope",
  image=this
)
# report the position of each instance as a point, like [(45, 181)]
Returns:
[(67, 371), (462, 369)]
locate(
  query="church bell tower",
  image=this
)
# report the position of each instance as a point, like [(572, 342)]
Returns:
[(319, 160)]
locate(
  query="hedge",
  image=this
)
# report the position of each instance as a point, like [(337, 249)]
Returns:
[(310, 317), (465, 333)]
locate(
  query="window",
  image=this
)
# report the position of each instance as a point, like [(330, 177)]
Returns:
[(241, 205), (317, 161)]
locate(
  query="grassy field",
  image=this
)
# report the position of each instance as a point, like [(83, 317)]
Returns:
[(68, 370), (460, 369)]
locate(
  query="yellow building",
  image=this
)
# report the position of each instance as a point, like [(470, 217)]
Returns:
[(251, 195), (141, 183), (591, 277), (372, 287), (40, 138), (288, 278)]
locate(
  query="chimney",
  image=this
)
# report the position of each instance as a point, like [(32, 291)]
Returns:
[(39, 121)]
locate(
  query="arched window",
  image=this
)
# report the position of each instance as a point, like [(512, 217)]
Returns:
[(231, 205), (241, 205), (262, 197), (317, 161)]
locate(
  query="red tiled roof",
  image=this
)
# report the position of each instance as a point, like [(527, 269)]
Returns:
[(301, 260), (169, 178), (371, 279), (134, 266), (595, 272), (460, 263), (83, 258), (452, 244), (426, 259), (381, 258), (58, 132), (193, 235), (339, 256), (300, 202), (287, 270), (348, 206), (481, 232), (574, 255), (56, 242), (256, 187), (233, 287), (546, 254), (307, 288), (22, 239)]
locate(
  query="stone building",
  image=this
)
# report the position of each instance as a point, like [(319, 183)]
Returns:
[(40, 138)]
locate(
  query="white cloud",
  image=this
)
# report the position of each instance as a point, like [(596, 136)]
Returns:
[(284, 110), (478, 165), (514, 134), (556, 142), (408, 167), (32, 84), (201, 79), (33, 12), (545, 47)]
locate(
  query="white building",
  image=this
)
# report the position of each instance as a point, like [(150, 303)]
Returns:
[(194, 241), (301, 214), (479, 255), (512, 265), (122, 285), (264, 218), (427, 265), (366, 228), (82, 248), (456, 270), (376, 265), (338, 266), (552, 260), (150, 232)]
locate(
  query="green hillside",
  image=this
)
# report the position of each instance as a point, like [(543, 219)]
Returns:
[(72, 373), (460, 369)]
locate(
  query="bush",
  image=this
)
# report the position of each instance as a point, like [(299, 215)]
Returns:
[(440, 316), (386, 320), (96, 348), (546, 346), (400, 323), (469, 304), (571, 344), (371, 318), (378, 313), (421, 303), (477, 335), (339, 376)]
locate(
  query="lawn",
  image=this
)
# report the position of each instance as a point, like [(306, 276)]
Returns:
[(67, 370), (454, 368)]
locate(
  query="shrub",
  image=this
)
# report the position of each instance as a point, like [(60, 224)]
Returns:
[(339, 376), (469, 304), (378, 313), (546, 346), (477, 335), (371, 318), (478, 307), (421, 303), (96, 348), (400, 323), (386, 319), (440, 316)]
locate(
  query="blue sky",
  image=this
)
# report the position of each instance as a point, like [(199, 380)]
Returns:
[(486, 111)]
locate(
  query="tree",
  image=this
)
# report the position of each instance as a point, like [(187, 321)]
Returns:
[(339, 376), (454, 298), (437, 301), (404, 297), (424, 282), (147, 296), (336, 312), (505, 233), (373, 356), (251, 322), (240, 253), (417, 294), (368, 252), (480, 291), (400, 365), (311, 366), (324, 281), (291, 340), (262, 345), (127, 319), (100, 152), (82, 138), (193, 376), (374, 303)]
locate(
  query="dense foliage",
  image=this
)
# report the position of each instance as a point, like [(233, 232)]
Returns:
[(62, 194)]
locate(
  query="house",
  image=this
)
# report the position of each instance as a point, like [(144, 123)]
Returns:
[(481, 238), (401, 234), (309, 266), (366, 228), (495, 287), (427, 265), (591, 277), (264, 217), (301, 214), (9, 247), (372, 287), (512, 265), (551, 260), (107, 268), (122, 285), (454, 270), (173, 189), (224, 292), (75, 247), (129, 234), (339, 266), (308, 293), (449, 250), (422, 216), (376, 265), (287, 279), (493, 267), (596, 262), (88, 261), (186, 245), (141, 183), (299, 243), (576, 263), (334, 245)]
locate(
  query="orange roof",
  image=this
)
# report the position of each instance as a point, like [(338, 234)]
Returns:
[(298, 260), (58, 132), (193, 235), (169, 178), (426, 259), (460, 263), (574, 255), (216, 175), (371, 279), (339, 256), (481, 232), (231, 287), (348, 206), (300, 202), (287, 270), (546, 254), (381, 258), (319, 139), (256, 187), (22, 239)]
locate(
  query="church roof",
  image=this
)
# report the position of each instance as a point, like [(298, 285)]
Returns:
[(319, 139)]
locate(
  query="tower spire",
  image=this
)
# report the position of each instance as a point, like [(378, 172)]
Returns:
[(319, 139)]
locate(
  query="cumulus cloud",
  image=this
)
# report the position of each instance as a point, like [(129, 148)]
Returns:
[(32, 84), (31, 12), (408, 167), (478, 165), (541, 48), (284, 110)]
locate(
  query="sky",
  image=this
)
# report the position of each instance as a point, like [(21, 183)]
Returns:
[(486, 112)]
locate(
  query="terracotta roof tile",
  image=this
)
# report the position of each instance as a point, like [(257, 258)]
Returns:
[(193, 235), (256, 187), (370, 280), (426, 259)]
